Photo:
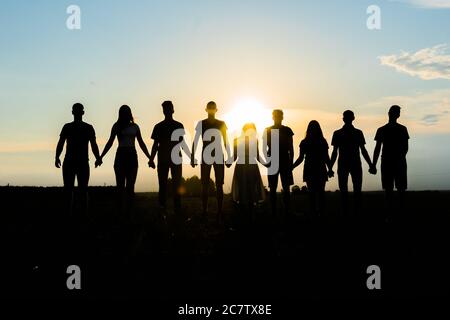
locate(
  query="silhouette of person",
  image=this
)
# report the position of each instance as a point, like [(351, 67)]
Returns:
[(168, 137), (78, 135), (317, 167), (393, 138), (349, 143), (126, 161), (285, 158), (209, 130), (247, 188)]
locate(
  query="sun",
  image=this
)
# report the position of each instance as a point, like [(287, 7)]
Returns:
[(248, 110)]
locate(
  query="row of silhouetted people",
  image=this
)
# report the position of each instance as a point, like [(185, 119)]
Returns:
[(247, 187)]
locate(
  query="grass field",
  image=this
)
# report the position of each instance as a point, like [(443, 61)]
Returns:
[(186, 258)]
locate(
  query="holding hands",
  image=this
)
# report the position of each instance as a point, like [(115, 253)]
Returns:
[(229, 162), (193, 162), (98, 162), (151, 163), (373, 170), (330, 173)]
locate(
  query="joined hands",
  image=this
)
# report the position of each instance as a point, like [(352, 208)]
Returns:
[(98, 162), (330, 173)]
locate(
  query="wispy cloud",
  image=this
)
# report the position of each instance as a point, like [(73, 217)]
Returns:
[(429, 4), (433, 119), (428, 63), (425, 112)]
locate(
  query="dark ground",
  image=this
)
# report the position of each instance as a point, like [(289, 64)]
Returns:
[(184, 261)]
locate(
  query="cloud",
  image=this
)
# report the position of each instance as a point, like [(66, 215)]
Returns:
[(428, 64), (425, 112), (428, 4), (432, 119)]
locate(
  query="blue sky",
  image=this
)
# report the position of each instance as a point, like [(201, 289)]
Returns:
[(312, 58)]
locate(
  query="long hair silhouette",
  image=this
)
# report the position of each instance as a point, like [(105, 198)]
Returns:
[(125, 117), (249, 129), (314, 132)]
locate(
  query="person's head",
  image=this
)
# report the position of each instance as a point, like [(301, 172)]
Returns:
[(167, 108), (211, 108), (348, 117), (314, 131), (78, 110), (249, 129), (277, 116), (125, 116), (394, 113)]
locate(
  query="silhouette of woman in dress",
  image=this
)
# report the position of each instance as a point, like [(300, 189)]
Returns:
[(247, 186), (126, 161), (314, 151)]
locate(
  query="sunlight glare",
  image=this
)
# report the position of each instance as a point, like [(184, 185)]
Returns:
[(248, 110)]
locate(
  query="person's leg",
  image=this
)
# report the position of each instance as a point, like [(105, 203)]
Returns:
[(69, 182), (131, 176), (176, 173), (401, 183), (120, 172), (286, 181), (356, 174), (321, 197), (312, 198), (273, 185), (83, 173), (387, 181), (219, 173), (163, 175), (343, 188), (204, 176), (287, 200)]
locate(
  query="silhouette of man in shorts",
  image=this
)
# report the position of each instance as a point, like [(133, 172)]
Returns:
[(285, 159), (392, 140), (213, 133)]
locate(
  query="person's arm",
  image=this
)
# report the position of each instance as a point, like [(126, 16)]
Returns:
[(229, 160), (194, 146), (265, 144), (235, 150), (405, 144), (291, 149), (95, 151), (59, 150), (262, 160), (185, 148), (328, 162), (142, 143), (155, 147), (109, 143), (154, 151), (376, 153), (300, 158), (366, 156), (334, 156)]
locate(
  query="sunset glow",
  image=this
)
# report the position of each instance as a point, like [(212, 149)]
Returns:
[(245, 111)]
